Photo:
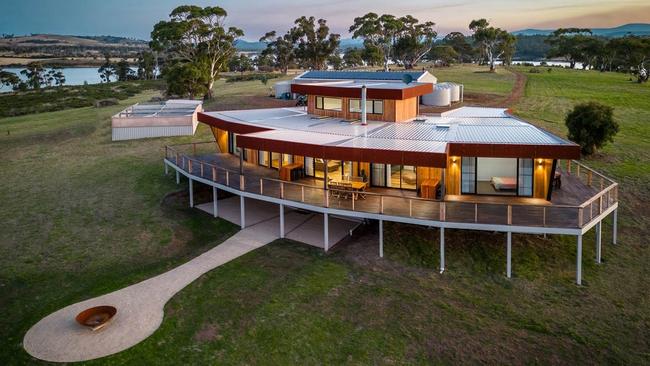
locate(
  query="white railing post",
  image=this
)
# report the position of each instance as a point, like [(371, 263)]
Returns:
[(282, 190), (302, 194), (579, 261), (410, 207), (381, 204), (261, 186)]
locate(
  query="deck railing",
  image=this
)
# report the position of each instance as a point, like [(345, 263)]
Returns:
[(520, 214)]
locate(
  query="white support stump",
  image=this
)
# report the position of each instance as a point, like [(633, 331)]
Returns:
[(599, 251), (442, 249), (191, 193), (281, 221), (614, 225), (579, 261), (166, 169), (509, 256), (242, 213), (326, 232), (381, 238), (215, 207), (178, 178)]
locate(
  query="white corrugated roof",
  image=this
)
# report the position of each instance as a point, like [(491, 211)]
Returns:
[(426, 134)]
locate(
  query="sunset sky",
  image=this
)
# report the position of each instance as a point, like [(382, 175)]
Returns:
[(136, 18)]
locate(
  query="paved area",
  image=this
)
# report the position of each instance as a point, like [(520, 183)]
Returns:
[(140, 307)]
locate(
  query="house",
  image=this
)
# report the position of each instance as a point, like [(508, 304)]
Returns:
[(174, 117), (361, 148)]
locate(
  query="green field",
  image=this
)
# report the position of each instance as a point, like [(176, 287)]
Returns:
[(82, 216)]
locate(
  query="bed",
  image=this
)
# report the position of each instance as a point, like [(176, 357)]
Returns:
[(504, 183)]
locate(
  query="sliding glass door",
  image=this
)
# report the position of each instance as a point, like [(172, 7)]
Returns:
[(468, 175), (525, 177)]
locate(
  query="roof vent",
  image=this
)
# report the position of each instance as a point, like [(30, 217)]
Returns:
[(443, 126)]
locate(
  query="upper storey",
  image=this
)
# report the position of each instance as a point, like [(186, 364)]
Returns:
[(391, 96)]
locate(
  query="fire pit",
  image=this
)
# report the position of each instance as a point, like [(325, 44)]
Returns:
[(96, 317)]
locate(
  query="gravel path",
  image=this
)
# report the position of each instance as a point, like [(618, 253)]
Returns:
[(140, 307)]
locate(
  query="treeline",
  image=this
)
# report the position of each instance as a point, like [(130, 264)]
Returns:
[(197, 46), (626, 54)]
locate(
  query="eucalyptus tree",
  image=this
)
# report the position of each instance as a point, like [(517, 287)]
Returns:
[(9, 79), (458, 42), (314, 42), (414, 41), (379, 32), (107, 70), (146, 65), (567, 42), (35, 75), (492, 42), (197, 36), (353, 57), (280, 49)]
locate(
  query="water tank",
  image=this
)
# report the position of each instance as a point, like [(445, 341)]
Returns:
[(454, 92), (281, 89), (440, 97)]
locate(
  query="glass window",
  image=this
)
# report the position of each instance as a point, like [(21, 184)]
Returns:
[(287, 159), (275, 160), (309, 166), (393, 175), (409, 177), (372, 106), (525, 179), (468, 175), (333, 104), (378, 106), (263, 157), (378, 175), (347, 170)]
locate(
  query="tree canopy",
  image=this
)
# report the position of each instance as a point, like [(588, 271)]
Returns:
[(404, 40), (197, 36), (492, 42), (591, 125), (315, 43), (280, 49)]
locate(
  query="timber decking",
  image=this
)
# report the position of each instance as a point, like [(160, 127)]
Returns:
[(560, 212)]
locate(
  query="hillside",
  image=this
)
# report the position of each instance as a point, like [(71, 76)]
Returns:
[(55, 40), (637, 29)]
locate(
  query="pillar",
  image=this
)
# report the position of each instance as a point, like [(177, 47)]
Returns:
[(614, 225), (281, 221), (325, 171), (191, 193), (178, 178), (242, 213), (579, 261), (599, 242), (166, 168), (509, 256), (215, 208), (442, 249), (381, 238), (326, 232)]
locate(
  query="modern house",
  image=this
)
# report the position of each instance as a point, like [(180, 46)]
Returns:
[(174, 117), (361, 148)]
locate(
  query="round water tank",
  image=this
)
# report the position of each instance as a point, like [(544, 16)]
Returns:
[(441, 96), (454, 92), (281, 89)]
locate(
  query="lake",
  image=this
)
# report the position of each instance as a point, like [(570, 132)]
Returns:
[(73, 75)]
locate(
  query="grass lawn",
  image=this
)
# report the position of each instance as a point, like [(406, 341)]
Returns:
[(82, 216)]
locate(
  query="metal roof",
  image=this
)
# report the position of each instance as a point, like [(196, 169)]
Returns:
[(361, 75), (429, 134), (169, 108)]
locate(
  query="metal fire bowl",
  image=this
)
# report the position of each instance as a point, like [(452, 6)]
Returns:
[(96, 317)]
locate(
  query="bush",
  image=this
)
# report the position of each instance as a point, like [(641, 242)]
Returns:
[(591, 125), (534, 71)]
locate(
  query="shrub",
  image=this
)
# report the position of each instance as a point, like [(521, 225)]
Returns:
[(591, 125), (251, 77)]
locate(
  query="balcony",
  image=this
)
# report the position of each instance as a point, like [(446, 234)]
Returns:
[(585, 194)]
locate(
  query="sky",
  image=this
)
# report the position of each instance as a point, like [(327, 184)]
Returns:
[(135, 19)]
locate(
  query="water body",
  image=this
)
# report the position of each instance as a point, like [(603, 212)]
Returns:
[(73, 75)]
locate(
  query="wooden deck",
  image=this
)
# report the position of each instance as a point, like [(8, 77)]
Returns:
[(563, 211)]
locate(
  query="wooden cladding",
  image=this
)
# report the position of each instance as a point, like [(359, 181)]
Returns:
[(411, 91), (393, 110)]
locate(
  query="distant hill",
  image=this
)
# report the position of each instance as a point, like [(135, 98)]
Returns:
[(637, 29), (56, 40)]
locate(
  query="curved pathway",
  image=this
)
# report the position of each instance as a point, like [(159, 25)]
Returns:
[(140, 307)]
